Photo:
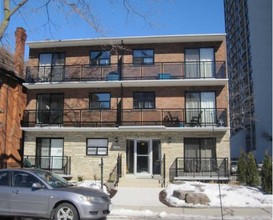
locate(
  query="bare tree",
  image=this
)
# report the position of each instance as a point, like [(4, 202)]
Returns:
[(81, 8), (8, 13)]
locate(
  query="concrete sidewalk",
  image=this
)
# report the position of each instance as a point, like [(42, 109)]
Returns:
[(143, 199)]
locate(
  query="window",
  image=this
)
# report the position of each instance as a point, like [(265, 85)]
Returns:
[(143, 56), (99, 100), (49, 153), (22, 179), (200, 154), (49, 109), (199, 63), (4, 178), (100, 58), (51, 66), (201, 104), (144, 100), (98, 147)]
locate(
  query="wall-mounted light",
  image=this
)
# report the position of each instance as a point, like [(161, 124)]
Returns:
[(116, 139), (169, 140)]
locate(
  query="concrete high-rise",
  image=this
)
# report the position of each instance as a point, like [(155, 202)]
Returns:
[(249, 50)]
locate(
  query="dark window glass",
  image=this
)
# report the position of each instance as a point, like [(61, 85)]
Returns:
[(99, 100), (143, 56), (100, 57), (144, 100), (49, 109), (4, 178), (22, 179), (200, 154)]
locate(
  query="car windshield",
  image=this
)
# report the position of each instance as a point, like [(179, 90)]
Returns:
[(52, 179)]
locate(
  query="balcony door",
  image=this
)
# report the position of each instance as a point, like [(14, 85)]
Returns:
[(49, 109), (201, 104), (49, 153), (51, 66), (200, 155), (199, 63)]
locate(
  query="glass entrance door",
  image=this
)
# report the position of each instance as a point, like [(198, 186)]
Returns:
[(143, 156)]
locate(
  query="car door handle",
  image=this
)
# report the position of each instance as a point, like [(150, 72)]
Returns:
[(15, 191)]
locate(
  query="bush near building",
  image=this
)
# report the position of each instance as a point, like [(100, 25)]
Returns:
[(266, 174), (241, 171), (252, 174)]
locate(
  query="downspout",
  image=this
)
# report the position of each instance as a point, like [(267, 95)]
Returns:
[(6, 127)]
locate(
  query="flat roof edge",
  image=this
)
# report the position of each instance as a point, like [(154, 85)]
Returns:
[(127, 40)]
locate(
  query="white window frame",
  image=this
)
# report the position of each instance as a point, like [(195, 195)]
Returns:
[(97, 146)]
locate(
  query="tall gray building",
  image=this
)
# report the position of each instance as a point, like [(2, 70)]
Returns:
[(249, 50)]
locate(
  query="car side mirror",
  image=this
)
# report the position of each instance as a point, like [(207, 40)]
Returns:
[(36, 186)]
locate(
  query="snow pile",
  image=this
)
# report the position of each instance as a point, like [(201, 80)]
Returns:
[(92, 184), (231, 195)]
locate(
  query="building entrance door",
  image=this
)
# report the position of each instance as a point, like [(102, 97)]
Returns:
[(143, 157)]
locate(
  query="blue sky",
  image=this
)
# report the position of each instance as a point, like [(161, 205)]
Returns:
[(169, 17)]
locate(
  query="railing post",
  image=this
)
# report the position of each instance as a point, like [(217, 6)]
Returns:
[(176, 168), (164, 170), (101, 173)]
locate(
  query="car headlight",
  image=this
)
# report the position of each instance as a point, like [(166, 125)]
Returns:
[(90, 199)]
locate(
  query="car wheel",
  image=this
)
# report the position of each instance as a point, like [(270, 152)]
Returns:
[(66, 211)]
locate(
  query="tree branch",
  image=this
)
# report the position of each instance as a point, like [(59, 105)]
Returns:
[(8, 14)]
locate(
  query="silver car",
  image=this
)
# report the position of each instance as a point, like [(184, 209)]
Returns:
[(39, 193)]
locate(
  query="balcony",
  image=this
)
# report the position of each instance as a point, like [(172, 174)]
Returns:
[(124, 72), (202, 169), (57, 164), (127, 117)]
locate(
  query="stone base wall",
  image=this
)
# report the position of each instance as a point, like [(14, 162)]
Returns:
[(172, 145)]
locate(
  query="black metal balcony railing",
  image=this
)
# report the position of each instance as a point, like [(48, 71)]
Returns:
[(127, 117), (156, 71), (203, 168), (57, 164)]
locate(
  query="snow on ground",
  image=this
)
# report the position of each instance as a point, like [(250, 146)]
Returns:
[(231, 195)]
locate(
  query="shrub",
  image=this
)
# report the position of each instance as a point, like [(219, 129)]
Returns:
[(266, 174), (241, 171), (252, 175), (80, 178)]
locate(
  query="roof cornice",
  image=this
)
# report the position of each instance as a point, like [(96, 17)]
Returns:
[(127, 40)]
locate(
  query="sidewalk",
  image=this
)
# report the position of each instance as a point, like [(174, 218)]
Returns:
[(146, 199)]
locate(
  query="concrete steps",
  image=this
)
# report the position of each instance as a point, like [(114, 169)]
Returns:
[(134, 181)]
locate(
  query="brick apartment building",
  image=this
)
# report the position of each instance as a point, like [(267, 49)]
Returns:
[(12, 102), (151, 107)]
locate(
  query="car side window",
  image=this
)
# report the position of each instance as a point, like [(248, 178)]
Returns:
[(4, 179), (22, 179)]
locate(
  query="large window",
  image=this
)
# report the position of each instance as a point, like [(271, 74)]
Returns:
[(200, 154), (100, 57), (201, 106), (4, 178), (49, 153), (199, 63), (143, 56), (144, 100), (99, 100), (51, 66), (49, 109), (97, 147)]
